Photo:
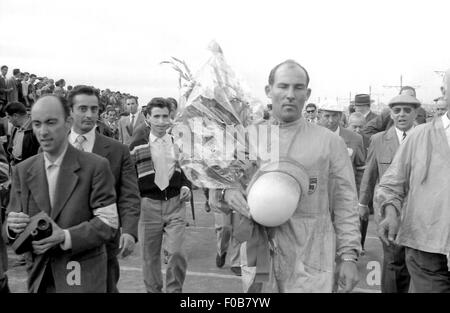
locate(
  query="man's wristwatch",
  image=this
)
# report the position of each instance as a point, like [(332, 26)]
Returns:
[(349, 260)]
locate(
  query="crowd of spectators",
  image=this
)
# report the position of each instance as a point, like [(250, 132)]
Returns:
[(26, 88)]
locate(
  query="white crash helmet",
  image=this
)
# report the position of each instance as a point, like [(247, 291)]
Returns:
[(275, 192)]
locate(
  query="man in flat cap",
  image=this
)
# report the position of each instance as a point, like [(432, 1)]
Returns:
[(394, 277), (414, 200)]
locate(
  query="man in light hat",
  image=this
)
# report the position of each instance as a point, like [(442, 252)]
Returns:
[(413, 196), (332, 112), (383, 121), (304, 249), (394, 277)]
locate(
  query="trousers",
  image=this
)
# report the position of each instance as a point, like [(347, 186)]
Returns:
[(429, 271), (158, 217), (395, 277), (225, 241)]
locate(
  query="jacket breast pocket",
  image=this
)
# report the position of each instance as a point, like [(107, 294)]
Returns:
[(383, 164)]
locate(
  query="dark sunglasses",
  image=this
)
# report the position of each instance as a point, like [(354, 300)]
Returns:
[(398, 110), (310, 111)]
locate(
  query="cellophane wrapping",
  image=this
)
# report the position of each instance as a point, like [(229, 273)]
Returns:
[(210, 131)]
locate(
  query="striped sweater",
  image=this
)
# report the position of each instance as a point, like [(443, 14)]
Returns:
[(142, 157)]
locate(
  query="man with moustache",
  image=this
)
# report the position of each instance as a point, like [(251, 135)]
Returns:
[(84, 108), (76, 191)]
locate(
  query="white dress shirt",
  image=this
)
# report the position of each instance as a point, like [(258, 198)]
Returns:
[(52, 172), (446, 122), (169, 149), (88, 144), (400, 134)]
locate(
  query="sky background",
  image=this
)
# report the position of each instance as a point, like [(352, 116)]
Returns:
[(347, 46)]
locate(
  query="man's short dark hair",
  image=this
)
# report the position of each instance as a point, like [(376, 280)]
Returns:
[(26, 73), (4, 66), (157, 103), (82, 90), (131, 97), (311, 105), (62, 100), (173, 101), (59, 82), (290, 62), (16, 71), (33, 76), (15, 107)]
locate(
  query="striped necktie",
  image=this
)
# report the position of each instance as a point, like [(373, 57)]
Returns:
[(79, 142)]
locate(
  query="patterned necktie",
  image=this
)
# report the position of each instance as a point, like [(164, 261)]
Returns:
[(132, 123), (79, 142), (160, 163), (404, 136)]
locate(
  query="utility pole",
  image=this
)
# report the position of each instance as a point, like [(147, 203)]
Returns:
[(401, 85)]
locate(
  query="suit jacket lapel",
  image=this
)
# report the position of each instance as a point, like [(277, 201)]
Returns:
[(37, 182), (101, 146), (67, 180), (344, 136), (128, 125), (392, 141)]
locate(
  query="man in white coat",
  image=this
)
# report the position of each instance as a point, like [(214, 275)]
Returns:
[(325, 225), (414, 202)]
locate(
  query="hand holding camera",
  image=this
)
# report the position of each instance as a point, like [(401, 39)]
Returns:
[(38, 233), (17, 221)]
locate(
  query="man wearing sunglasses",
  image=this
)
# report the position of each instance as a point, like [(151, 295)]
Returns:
[(311, 113), (394, 276), (414, 203)]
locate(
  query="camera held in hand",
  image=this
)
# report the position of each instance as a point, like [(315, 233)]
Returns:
[(40, 227)]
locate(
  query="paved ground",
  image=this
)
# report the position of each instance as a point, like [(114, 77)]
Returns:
[(203, 276)]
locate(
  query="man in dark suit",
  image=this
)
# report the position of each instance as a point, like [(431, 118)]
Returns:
[(362, 105), (84, 105), (23, 143), (395, 277), (76, 190), (128, 124), (356, 122)]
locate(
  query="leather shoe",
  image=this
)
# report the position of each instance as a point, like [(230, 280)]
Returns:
[(220, 259), (236, 270)]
